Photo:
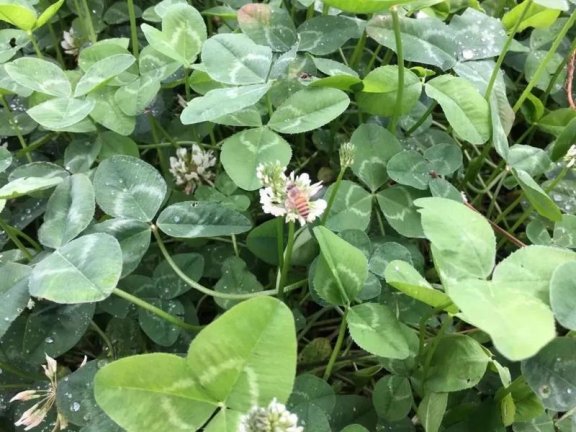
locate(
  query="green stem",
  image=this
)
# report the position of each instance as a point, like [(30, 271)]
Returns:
[(475, 166), (287, 261), (400, 57), (447, 322), (186, 84), (422, 119), (357, 53), (332, 196), (56, 42), (35, 145), (280, 240), (195, 284), (104, 337), (504, 51), (37, 49), (91, 32), (156, 311), (337, 346), (133, 28), (14, 238), (542, 66), (528, 210), (235, 245), (15, 126)]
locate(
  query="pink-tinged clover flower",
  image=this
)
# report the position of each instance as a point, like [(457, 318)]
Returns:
[(35, 415)]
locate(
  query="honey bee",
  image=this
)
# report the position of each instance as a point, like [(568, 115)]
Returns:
[(298, 200)]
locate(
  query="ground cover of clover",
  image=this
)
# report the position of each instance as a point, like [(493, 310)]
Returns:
[(287, 216)]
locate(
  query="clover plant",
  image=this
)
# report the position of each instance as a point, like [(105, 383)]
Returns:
[(292, 215)]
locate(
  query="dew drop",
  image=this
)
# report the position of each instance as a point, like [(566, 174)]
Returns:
[(49, 340), (467, 54)]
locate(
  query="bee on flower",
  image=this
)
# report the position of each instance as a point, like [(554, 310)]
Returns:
[(192, 168), (290, 196), (273, 418)]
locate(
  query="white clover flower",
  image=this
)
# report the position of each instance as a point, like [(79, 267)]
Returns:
[(190, 169), (570, 156), (346, 152), (274, 418), (289, 196), (69, 43), (34, 416)]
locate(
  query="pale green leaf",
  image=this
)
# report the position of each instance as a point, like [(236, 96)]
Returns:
[(465, 108), (461, 236), (375, 328), (351, 209), (267, 25), (61, 113), (85, 270), (519, 324), (220, 102), (406, 278), (69, 211), (191, 219), (397, 205), (14, 294), (235, 59), (243, 152), (39, 75), (563, 294), (128, 187), (341, 271), (102, 71), (538, 197), (308, 109), (373, 148), (26, 185)]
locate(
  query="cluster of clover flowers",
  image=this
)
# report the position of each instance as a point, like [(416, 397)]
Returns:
[(293, 197)]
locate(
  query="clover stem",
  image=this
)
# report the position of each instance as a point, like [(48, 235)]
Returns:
[(544, 63), (337, 346), (14, 123), (287, 261), (91, 32), (156, 311), (37, 49), (332, 196), (400, 61), (133, 28), (196, 285), (14, 238)]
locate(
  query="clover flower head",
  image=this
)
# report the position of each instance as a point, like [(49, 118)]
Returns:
[(192, 168), (69, 42), (273, 418), (347, 151), (34, 416), (289, 196), (570, 156)]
